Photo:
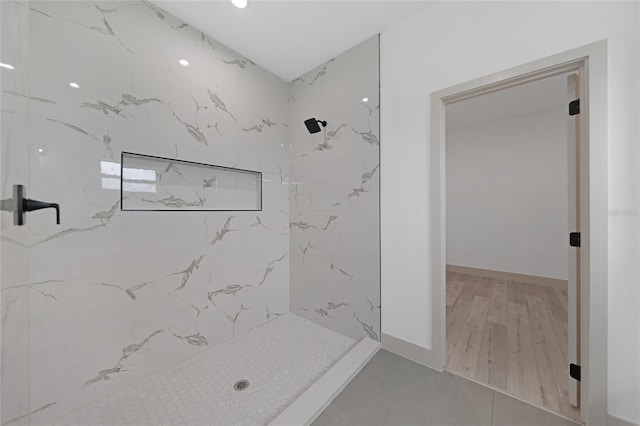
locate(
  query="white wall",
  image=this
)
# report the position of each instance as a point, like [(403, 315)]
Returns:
[(452, 43), (507, 194)]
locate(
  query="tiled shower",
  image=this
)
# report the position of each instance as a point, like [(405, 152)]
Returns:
[(113, 299)]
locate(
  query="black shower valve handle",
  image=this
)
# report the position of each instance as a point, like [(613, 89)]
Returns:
[(30, 205), (19, 205)]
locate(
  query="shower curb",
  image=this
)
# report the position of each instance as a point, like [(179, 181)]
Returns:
[(308, 406)]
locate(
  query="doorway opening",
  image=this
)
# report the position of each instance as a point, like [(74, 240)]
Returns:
[(510, 177), (571, 380)]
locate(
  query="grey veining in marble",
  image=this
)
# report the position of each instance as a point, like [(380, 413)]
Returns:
[(365, 178), (219, 104), (126, 353), (194, 131), (19, 418), (334, 195), (33, 98), (264, 122), (320, 73), (75, 128)]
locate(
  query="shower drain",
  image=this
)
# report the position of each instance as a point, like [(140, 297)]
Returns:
[(241, 385)]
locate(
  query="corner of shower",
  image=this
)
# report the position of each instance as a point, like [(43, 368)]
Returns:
[(227, 273)]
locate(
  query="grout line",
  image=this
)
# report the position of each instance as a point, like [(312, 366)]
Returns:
[(493, 404)]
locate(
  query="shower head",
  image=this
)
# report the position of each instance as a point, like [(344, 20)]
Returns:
[(312, 125)]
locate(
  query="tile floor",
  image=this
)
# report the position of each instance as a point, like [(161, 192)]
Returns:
[(280, 359), (392, 390)]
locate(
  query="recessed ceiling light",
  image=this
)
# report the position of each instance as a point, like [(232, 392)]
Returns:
[(240, 4), (40, 150), (365, 99), (184, 62), (74, 85), (7, 66)]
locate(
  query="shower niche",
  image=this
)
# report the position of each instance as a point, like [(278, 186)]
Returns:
[(166, 184)]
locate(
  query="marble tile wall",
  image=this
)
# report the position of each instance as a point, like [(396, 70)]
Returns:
[(110, 296), (334, 194), (117, 295)]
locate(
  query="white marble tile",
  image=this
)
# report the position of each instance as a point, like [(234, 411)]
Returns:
[(334, 194), (115, 295), (279, 359)]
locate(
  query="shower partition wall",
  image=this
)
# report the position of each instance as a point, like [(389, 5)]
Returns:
[(14, 256), (335, 194)]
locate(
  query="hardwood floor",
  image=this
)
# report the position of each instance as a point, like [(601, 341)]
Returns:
[(511, 336)]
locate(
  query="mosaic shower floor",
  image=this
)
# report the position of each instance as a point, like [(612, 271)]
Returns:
[(279, 359)]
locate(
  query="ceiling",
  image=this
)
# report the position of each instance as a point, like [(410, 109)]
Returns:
[(540, 95), (290, 38)]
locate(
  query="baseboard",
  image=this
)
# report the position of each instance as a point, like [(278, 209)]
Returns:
[(508, 276), (409, 350), (308, 406), (617, 421)]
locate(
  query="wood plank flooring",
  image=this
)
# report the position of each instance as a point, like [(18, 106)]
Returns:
[(511, 336)]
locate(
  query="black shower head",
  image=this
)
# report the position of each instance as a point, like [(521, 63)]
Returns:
[(312, 125)]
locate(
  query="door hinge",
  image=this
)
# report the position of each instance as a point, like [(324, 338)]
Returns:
[(574, 371), (574, 107), (574, 239)]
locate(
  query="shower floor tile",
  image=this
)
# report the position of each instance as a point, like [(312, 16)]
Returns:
[(279, 359)]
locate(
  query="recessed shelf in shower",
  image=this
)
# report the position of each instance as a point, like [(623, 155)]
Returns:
[(167, 184)]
